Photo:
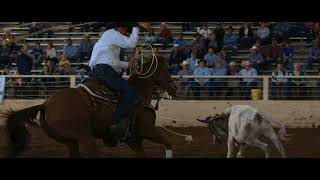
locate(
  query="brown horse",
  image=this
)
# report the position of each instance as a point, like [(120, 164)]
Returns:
[(75, 118)]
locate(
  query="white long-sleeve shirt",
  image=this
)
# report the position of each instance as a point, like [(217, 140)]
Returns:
[(107, 49)]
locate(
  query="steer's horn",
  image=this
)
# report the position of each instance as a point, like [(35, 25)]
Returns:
[(203, 120)]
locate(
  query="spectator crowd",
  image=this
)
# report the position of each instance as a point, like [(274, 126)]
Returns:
[(209, 53)]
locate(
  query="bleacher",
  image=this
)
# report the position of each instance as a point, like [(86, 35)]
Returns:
[(62, 33)]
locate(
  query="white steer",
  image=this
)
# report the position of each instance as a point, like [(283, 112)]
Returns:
[(242, 125)]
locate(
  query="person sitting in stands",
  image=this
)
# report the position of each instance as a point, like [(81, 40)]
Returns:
[(51, 53), (210, 58), (218, 84), (198, 83), (193, 61), (298, 83), (70, 50), (277, 83), (37, 54), (185, 83), (176, 58), (247, 84), (230, 40)]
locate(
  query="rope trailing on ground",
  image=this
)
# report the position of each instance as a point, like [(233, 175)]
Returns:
[(188, 138)]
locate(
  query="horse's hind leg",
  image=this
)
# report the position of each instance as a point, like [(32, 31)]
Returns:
[(89, 147), (158, 138), (73, 147)]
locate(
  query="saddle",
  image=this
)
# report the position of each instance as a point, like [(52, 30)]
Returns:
[(99, 90), (107, 94)]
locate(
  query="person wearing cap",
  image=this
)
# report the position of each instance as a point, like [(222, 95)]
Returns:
[(175, 59), (201, 70), (210, 58), (256, 58), (185, 83), (219, 32), (230, 40), (247, 84), (70, 50), (105, 66), (185, 69), (218, 83)]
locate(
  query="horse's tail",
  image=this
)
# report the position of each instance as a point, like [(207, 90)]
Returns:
[(16, 121)]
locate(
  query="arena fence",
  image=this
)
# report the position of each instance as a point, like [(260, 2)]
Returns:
[(214, 87)]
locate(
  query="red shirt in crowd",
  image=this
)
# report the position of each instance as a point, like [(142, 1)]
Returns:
[(166, 34)]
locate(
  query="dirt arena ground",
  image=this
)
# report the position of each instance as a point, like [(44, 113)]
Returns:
[(305, 143)]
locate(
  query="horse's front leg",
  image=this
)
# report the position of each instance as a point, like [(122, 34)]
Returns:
[(137, 147), (158, 138)]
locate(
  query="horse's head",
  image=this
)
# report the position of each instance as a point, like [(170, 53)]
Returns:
[(163, 79), (156, 70)]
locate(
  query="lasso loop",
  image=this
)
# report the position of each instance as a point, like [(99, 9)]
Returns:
[(154, 60)]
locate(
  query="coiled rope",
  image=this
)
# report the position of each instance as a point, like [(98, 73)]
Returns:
[(140, 53)]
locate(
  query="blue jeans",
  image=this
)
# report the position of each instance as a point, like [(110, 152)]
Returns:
[(108, 76), (196, 88), (285, 89), (245, 88), (217, 87)]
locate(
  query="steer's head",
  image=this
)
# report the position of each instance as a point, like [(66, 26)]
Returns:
[(218, 126)]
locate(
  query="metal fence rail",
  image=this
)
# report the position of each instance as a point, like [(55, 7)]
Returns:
[(214, 87)]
